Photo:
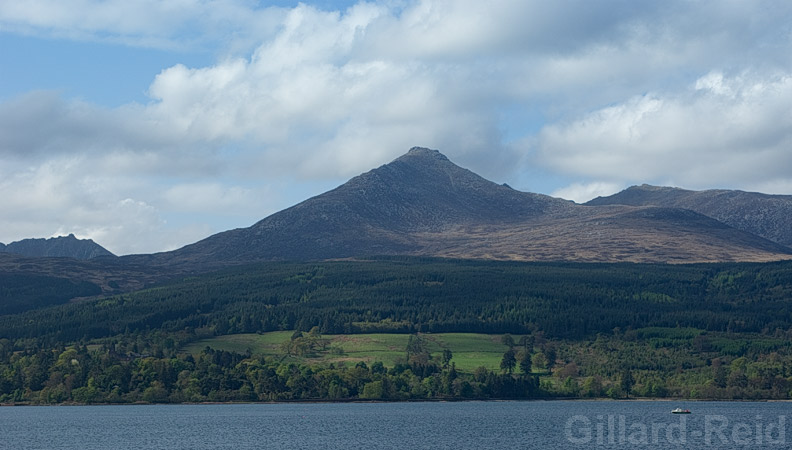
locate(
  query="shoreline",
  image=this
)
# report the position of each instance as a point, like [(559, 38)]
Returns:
[(445, 400)]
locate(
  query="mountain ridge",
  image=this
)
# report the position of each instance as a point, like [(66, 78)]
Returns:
[(422, 204), (761, 214), (57, 247)]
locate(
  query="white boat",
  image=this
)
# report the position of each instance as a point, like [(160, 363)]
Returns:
[(680, 411)]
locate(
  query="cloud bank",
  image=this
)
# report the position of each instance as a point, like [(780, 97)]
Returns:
[(720, 130), (599, 95)]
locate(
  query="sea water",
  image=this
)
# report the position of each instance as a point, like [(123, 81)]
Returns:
[(429, 425)]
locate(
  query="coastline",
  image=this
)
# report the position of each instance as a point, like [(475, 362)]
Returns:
[(429, 400)]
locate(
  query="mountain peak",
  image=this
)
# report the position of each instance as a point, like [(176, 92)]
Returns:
[(423, 190), (425, 158), (425, 153), (382, 211), (421, 203), (62, 246)]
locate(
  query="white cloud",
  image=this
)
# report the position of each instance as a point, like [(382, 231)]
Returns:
[(170, 24), (214, 197), (43, 123), (305, 92), (781, 186), (64, 195), (721, 131), (583, 192)]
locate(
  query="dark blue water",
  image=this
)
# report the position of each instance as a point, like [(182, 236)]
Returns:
[(467, 425)]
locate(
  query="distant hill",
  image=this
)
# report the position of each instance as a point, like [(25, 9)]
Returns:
[(422, 204), (768, 216), (63, 246)]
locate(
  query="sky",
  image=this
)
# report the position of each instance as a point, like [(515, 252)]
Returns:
[(147, 125)]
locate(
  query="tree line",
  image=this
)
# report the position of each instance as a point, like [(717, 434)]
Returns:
[(105, 375)]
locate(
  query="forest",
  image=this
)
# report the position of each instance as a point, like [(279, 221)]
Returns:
[(713, 330)]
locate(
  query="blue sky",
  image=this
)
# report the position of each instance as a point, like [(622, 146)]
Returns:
[(102, 73), (148, 125)]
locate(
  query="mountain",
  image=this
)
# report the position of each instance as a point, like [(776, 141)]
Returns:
[(764, 215), (62, 246), (422, 204), (381, 212)]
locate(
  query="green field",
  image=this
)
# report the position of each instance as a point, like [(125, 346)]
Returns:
[(470, 350)]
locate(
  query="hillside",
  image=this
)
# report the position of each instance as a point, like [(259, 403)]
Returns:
[(422, 204), (760, 214), (690, 331), (404, 295), (32, 282)]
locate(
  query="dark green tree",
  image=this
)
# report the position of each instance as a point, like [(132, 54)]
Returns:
[(539, 360), (418, 356), (509, 361), (527, 342), (524, 360), (627, 382), (550, 353), (447, 355)]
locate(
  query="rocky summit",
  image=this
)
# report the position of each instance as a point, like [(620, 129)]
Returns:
[(62, 247)]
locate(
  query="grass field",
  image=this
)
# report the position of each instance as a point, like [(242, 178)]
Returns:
[(469, 350)]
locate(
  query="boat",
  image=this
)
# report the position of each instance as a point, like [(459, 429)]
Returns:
[(680, 411)]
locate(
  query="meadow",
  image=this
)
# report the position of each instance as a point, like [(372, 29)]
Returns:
[(470, 350)]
